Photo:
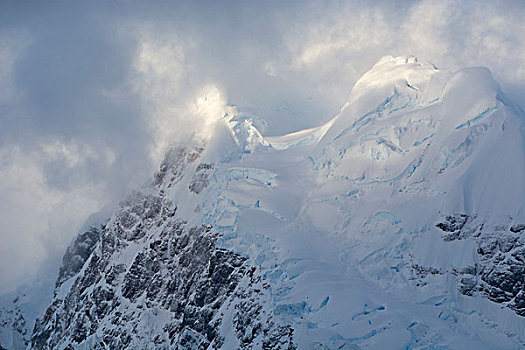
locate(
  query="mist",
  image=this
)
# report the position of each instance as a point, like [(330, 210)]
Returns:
[(92, 94)]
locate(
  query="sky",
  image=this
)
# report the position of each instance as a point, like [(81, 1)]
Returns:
[(93, 92)]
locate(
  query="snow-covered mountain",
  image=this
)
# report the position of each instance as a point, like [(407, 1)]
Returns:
[(399, 224)]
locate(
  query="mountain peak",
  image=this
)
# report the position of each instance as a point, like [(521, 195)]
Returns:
[(406, 74), (398, 224)]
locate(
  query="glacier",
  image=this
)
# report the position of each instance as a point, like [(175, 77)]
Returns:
[(397, 224)]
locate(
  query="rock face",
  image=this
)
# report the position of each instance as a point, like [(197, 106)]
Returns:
[(200, 178), (77, 254), (20, 308), (12, 318), (148, 279), (499, 273)]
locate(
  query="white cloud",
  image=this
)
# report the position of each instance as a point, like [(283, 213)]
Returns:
[(73, 154), (89, 106), (455, 34), (37, 219), (160, 67), (426, 29), (331, 50), (50, 184), (12, 45), (46, 189), (176, 102), (344, 34)]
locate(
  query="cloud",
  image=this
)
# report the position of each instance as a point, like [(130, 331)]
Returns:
[(91, 96), (53, 178), (332, 49), (175, 102), (12, 46), (37, 218), (457, 34)]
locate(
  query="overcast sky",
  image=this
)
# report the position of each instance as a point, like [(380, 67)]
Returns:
[(92, 92)]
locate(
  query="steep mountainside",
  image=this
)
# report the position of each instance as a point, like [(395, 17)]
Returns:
[(397, 224)]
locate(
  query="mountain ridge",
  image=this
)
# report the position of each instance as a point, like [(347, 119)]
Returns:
[(398, 223)]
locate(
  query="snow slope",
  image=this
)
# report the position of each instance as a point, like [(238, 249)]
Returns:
[(350, 213), (19, 310), (398, 224)]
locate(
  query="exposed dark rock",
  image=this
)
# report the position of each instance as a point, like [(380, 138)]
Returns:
[(77, 254), (500, 274), (180, 274), (453, 226), (424, 271), (138, 213), (453, 223), (13, 319), (172, 167), (149, 280), (517, 228), (200, 178)]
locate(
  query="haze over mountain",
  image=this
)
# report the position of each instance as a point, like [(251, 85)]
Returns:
[(93, 93), (262, 175)]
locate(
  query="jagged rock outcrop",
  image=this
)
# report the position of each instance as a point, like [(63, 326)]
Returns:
[(200, 178), (500, 273), (13, 318), (77, 254), (148, 279)]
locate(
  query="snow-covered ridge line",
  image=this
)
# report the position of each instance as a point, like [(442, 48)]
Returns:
[(400, 223)]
